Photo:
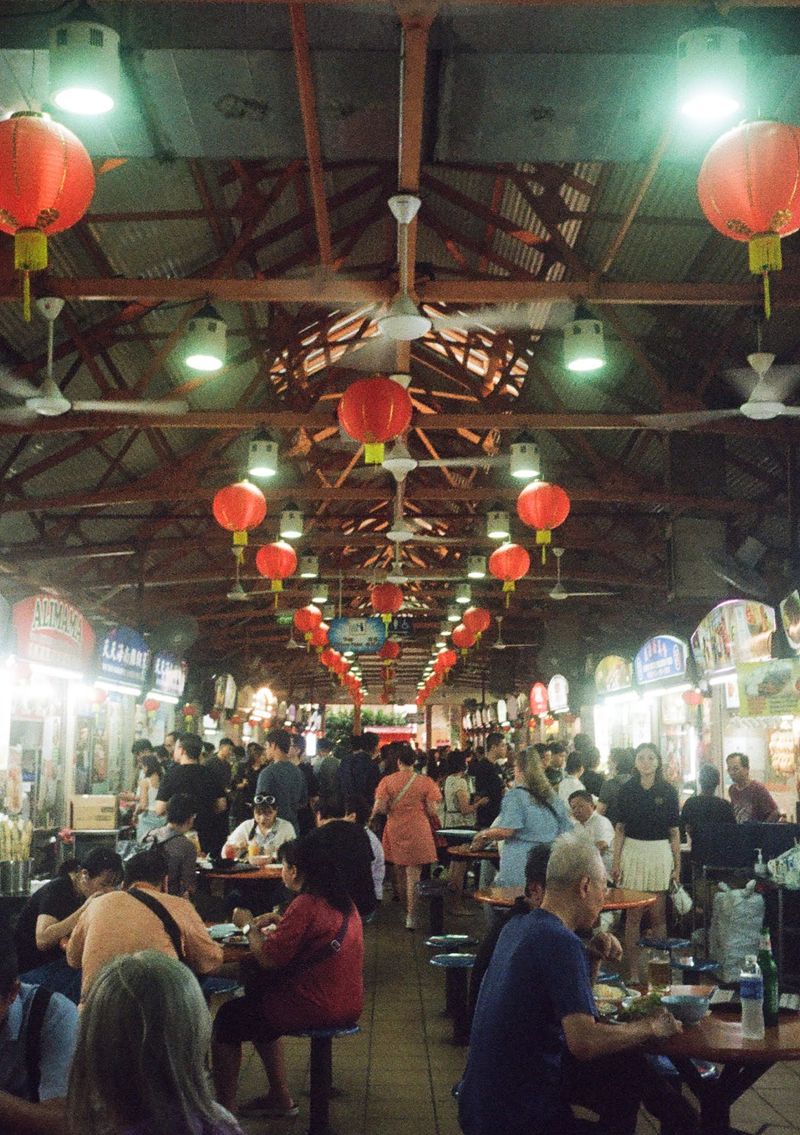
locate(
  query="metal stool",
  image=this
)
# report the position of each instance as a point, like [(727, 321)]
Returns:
[(434, 890), (321, 1073), (456, 967)]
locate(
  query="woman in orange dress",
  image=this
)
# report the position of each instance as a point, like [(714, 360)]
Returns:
[(408, 800)]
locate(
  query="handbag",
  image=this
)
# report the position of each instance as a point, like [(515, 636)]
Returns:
[(257, 980), (681, 899)]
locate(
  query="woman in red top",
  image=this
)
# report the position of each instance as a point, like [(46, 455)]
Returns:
[(316, 951)]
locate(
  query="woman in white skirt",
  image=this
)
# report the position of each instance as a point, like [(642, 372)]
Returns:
[(647, 847)]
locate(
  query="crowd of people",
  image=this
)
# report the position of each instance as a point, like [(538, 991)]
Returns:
[(113, 948)]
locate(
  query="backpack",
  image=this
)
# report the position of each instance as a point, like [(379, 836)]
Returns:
[(127, 848)]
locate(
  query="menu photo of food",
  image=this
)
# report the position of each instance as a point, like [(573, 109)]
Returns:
[(770, 687)]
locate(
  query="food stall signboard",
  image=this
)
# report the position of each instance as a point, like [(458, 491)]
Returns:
[(362, 636), (558, 694), (224, 692), (739, 630), (124, 657), (661, 659), (538, 698), (769, 688), (790, 617), (613, 674), (169, 674), (52, 633)]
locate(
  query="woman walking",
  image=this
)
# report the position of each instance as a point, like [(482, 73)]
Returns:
[(146, 818)]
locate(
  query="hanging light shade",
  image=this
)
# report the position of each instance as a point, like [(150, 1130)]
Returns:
[(373, 411), (46, 185), (584, 349), (84, 67), (525, 463), (276, 562), (309, 567), (454, 614), (403, 321), (398, 461), (204, 346), (262, 458), (749, 190), (477, 619), (497, 526), (291, 523), (509, 563), (239, 509), (462, 638), (463, 595), (386, 600), (543, 506), (476, 567), (319, 594), (712, 73)]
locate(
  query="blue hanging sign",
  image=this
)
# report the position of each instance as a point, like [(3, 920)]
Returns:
[(169, 674), (361, 636), (124, 658), (661, 659)]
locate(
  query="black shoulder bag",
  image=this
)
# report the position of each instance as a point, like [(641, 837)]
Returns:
[(33, 1039), (165, 918), (258, 980)]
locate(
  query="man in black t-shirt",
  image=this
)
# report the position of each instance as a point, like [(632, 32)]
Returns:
[(706, 807), (201, 783), (349, 847), (358, 771), (489, 780)]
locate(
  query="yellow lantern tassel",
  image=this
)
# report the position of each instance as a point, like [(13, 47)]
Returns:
[(30, 255), (240, 538), (373, 453), (387, 618), (508, 587), (765, 256), (544, 536)]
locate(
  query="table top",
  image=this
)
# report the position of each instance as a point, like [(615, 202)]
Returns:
[(618, 898), (718, 1037), (463, 851), (269, 871)]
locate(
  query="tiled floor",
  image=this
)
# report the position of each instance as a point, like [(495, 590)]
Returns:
[(396, 1075)]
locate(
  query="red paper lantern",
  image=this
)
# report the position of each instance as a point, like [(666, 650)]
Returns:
[(327, 656), (151, 704), (509, 563), (445, 660), (190, 711), (276, 562), (239, 508), (46, 185), (386, 600), (307, 618), (543, 506), (749, 190), (693, 697), (372, 411), (319, 636), (389, 652), (477, 620), (463, 638)]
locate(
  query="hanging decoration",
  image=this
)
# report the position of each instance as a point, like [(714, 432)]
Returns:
[(373, 411), (445, 661), (239, 508), (478, 620), (46, 185), (386, 600), (276, 562), (749, 190), (306, 620), (509, 563), (462, 638), (319, 637), (544, 507)]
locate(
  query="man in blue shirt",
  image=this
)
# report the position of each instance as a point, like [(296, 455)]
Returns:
[(535, 1025), (37, 1038)]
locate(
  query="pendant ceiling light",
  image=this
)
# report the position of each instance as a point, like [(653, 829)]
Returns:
[(525, 463), (320, 595), (476, 567), (309, 567), (262, 458), (291, 523), (497, 525), (84, 65), (464, 594), (205, 340), (584, 349), (712, 73)]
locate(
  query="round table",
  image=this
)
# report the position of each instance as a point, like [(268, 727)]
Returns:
[(462, 851), (270, 871), (618, 898)]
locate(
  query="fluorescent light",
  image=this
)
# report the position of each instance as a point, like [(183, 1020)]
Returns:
[(476, 567), (205, 340), (156, 695), (118, 687), (262, 458), (497, 525), (56, 671), (84, 67)]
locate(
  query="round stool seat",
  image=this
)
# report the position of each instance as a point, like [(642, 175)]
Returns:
[(325, 1034), (453, 961), (453, 941)]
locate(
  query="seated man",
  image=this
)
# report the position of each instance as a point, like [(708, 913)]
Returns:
[(590, 825), (141, 917), (180, 852), (37, 1037), (536, 1042), (348, 846)]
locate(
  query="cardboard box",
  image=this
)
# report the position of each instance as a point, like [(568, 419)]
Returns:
[(93, 813)]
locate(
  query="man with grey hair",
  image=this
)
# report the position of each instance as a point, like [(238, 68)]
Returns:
[(537, 1044)]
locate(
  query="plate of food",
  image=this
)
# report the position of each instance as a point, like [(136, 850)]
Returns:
[(608, 998), (637, 1006)]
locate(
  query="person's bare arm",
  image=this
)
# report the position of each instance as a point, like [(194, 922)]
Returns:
[(49, 931), (675, 846), (160, 807), (25, 1118), (481, 839), (619, 843), (588, 1039), (464, 806)]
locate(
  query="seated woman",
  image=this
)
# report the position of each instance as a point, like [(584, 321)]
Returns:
[(152, 1079), (309, 975), (530, 814), (265, 830)]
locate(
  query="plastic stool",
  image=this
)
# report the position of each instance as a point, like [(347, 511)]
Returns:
[(453, 942), (434, 890), (321, 1073), (456, 967)]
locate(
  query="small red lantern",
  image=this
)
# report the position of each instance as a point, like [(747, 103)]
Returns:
[(543, 506), (389, 653), (276, 562), (464, 639), (445, 660), (319, 637), (306, 620), (693, 697), (327, 656), (239, 508), (509, 563), (386, 600), (46, 185), (151, 704), (372, 411), (477, 620), (190, 711), (749, 189)]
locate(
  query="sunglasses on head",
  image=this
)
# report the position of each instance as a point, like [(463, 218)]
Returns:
[(265, 801)]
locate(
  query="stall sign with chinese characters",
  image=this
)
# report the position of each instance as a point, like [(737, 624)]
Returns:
[(124, 657), (790, 617), (362, 636), (661, 659), (52, 633), (169, 674), (558, 694), (736, 631), (769, 688), (538, 698), (613, 674)]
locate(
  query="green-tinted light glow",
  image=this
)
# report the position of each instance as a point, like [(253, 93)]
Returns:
[(83, 100), (588, 363), (204, 362), (710, 105)]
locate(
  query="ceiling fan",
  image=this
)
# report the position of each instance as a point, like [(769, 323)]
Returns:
[(47, 400), (500, 644), (559, 591)]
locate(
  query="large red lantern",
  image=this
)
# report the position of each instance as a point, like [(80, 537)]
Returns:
[(509, 563), (46, 185), (277, 562), (372, 411), (462, 638), (543, 506), (477, 620), (327, 657), (445, 660), (306, 620), (749, 189), (319, 637), (239, 508), (386, 600)]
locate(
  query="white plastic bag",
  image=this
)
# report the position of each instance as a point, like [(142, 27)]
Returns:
[(735, 927)]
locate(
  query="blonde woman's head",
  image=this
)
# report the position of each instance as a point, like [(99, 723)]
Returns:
[(531, 774)]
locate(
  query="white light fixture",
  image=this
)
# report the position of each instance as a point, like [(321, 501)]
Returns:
[(712, 73), (118, 687), (476, 567), (262, 457), (584, 349), (319, 593), (525, 463), (309, 567), (156, 695), (402, 379), (464, 594), (453, 615), (497, 525), (84, 66), (49, 671), (398, 461), (205, 340), (291, 523), (403, 321), (329, 609), (440, 644)]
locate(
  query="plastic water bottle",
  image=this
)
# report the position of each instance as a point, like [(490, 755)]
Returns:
[(751, 991)]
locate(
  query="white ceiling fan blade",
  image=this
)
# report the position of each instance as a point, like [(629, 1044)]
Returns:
[(462, 462), (683, 420), (377, 353), (17, 387), (578, 594), (144, 407), (17, 415), (499, 318), (790, 412)]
